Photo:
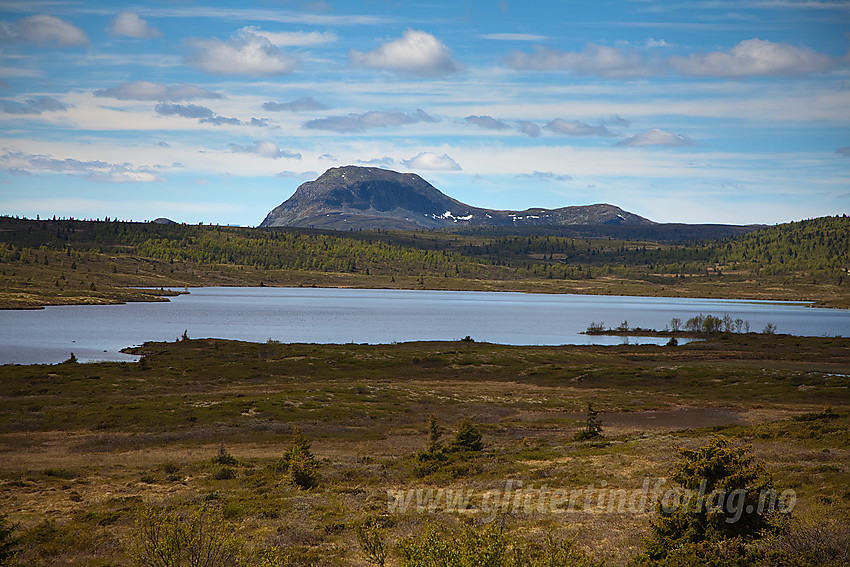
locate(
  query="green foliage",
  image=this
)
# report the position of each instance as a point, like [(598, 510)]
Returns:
[(467, 437), (9, 543), (199, 538), (301, 467), (223, 457), (489, 546), (371, 540), (435, 432), (726, 500), (592, 425)]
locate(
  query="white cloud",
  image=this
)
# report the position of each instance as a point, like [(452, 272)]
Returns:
[(293, 39), (207, 116), (367, 121), (385, 161), (95, 170), (529, 128), (843, 151), (32, 106), (754, 57), (45, 31), (296, 175), (304, 104), (547, 176), (514, 37), (184, 110), (576, 128), (243, 54), (264, 148), (146, 90), (487, 122), (433, 162), (656, 137), (129, 24), (593, 60), (124, 174), (416, 53)]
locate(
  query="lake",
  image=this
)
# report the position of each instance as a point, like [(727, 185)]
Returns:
[(321, 315)]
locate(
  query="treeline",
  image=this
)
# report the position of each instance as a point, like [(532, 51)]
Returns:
[(816, 251)]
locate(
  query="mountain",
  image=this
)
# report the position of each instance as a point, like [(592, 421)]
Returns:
[(351, 197)]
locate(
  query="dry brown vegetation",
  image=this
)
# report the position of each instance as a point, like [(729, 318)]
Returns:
[(86, 447)]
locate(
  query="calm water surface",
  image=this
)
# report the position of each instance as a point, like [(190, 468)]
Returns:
[(98, 332)]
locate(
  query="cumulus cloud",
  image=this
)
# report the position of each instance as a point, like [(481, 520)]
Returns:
[(304, 104), (44, 31), (754, 58), (290, 39), (96, 170), (184, 110), (576, 128), (367, 121), (656, 137), (264, 148), (592, 60), (843, 151), (487, 122), (529, 128), (146, 90), (416, 53), (246, 53), (432, 161), (32, 106), (129, 24)]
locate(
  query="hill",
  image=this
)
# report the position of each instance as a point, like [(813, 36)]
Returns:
[(353, 198)]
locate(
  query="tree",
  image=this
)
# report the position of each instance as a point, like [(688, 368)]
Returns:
[(467, 437), (299, 463), (727, 500), (435, 432), (592, 425)]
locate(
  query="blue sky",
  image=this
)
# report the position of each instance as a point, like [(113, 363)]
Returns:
[(693, 111)]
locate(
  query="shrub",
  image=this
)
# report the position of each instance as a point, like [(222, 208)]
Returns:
[(713, 469), (595, 328), (8, 542), (371, 541), (488, 546), (199, 538)]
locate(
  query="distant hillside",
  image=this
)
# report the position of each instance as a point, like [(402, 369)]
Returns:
[(348, 198)]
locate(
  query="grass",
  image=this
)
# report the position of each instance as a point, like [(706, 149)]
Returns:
[(82, 456)]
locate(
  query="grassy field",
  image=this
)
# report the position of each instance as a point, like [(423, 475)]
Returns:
[(85, 447)]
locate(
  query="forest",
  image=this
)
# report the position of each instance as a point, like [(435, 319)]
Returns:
[(42, 262)]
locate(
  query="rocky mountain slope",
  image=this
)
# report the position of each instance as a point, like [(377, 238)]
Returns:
[(348, 198)]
